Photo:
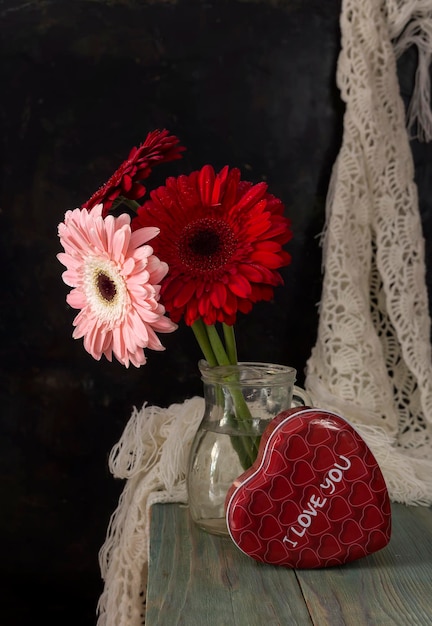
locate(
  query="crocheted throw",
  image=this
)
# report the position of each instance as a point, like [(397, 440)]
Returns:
[(152, 456), (372, 360)]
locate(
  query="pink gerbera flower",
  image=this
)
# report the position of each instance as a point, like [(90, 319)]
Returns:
[(158, 147), (115, 280)]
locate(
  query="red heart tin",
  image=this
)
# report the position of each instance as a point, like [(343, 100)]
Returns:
[(315, 496)]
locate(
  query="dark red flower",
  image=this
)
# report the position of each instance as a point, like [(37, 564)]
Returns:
[(159, 147), (222, 239)]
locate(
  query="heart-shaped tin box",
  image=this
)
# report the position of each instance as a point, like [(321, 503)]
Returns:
[(315, 496)]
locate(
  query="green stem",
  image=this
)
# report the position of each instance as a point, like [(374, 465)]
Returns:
[(217, 345), (200, 332), (215, 354), (246, 446), (230, 343), (131, 204)]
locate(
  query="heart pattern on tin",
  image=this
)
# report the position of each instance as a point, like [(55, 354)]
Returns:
[(315, 496)]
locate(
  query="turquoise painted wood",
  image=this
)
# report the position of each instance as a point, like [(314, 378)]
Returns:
[(197, 579)]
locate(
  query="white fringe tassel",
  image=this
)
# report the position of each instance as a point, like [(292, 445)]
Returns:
[(152, 456)]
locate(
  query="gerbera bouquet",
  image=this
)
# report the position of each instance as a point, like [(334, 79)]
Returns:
[(216, 248)]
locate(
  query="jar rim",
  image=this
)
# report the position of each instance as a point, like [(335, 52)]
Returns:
[(248, 372)]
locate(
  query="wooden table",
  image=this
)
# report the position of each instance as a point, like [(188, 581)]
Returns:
[(197, 579)]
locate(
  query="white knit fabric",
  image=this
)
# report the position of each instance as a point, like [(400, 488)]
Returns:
[(152, 456), (372, 359)]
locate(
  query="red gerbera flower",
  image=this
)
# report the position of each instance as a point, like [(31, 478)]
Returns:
[(159, 147), (222, 239)]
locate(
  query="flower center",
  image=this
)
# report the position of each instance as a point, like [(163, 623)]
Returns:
[(106, 286), (105, 290), (206, 244)]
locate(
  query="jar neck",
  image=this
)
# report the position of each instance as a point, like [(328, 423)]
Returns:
[(248, 373)]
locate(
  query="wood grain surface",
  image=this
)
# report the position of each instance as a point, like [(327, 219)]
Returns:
[(197, 579)]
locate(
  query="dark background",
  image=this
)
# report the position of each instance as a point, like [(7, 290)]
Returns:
[(243, 83)]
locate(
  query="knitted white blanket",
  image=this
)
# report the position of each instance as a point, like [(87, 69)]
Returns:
[(372, 359), (152, 455)]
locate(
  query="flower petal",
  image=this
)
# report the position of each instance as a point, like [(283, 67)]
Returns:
[(109, 275), (222, 240)]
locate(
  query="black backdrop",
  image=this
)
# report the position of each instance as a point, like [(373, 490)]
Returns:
[(249, 84)]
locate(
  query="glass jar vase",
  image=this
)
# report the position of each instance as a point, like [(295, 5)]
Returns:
[(240, 400)]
